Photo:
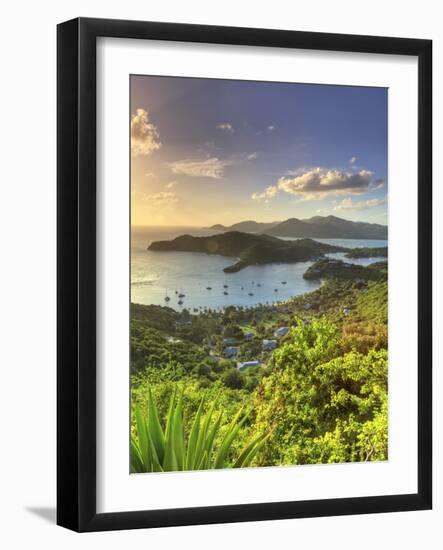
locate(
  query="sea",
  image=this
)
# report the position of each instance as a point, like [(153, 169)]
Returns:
[(157, 276)]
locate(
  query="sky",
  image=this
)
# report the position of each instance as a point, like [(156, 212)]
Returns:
[(206, 151)]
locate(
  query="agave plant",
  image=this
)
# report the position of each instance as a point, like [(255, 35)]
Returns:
[(154, 449)]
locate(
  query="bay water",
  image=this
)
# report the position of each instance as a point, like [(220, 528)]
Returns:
[(158, 275)]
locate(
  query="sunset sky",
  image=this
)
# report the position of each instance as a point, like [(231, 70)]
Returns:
[(222, 151)]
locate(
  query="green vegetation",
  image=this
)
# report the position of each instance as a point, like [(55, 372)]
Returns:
[(319, 397), (373, 304), (368, 253), (321, 406), (154, 449), (342, 270)]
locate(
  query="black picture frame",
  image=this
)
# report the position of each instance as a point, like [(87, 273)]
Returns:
[(76, 278)]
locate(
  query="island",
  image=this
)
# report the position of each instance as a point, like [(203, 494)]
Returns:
[(249, 249), (337, 269), (365, 252)]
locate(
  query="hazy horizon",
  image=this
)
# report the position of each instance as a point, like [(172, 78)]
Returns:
[(197, 226)]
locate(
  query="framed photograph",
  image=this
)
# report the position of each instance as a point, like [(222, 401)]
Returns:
[(244, 274)]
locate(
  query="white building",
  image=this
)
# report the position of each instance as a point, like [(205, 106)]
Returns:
[(281, 332), (230, 351), (269, 345), (247, 364)]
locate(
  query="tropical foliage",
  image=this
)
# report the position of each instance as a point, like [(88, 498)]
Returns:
[(154, 449), (320, 397)]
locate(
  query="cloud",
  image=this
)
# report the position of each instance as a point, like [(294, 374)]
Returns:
[(317, 183), (266, 195), (252, 156), (314, 183), (377, 184), (348, 204), (164, 197), (352, 160), (270, 128), (226, 126), (149, 175), (299, 171), (208, 168), (170, 185), (144, 135)]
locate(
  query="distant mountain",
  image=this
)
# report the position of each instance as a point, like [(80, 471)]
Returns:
[(328, 227), (250, 249), (318, 227), (249, 226), (218, 227)]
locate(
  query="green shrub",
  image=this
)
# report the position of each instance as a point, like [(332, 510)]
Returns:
[(333, 412), (154, 449), (233, 379)]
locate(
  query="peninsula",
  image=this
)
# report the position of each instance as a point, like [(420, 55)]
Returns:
[(249, 249), (336, 269)]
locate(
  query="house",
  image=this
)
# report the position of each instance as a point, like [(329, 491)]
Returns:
[(247, 364), (307, 306), (269, 345), (230, 351), (281, 332), (227, 341), (347, 310), (249, 335)]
